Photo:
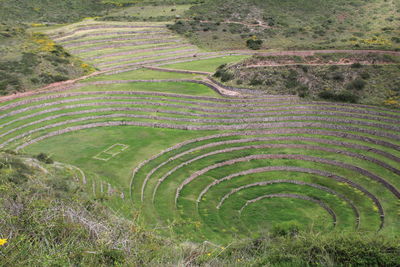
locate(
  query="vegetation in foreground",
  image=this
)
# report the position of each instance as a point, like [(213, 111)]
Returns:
[(47, 218), (296, 24), (367, 79)]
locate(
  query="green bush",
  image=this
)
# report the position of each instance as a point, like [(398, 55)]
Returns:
[(357, 84), (254, 44), (303, 91), (345, 96), (338, 76), (44, 158), (356, 65), (226, 76)]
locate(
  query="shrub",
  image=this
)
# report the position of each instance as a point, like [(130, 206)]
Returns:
[(291, 80), (357, 84), (356, 65), (254, 44), (333, 67), (303, 91), (338, 76), (345, 96), (43, 157), (286, 229), (256, 81), (226, 76), (365, 75)]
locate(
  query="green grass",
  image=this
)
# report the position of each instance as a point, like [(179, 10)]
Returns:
[(103, 60), (184, 55), (209, 65), (106, 51), (141, 74)]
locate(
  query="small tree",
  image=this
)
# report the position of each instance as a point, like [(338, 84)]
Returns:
[(254, 43)]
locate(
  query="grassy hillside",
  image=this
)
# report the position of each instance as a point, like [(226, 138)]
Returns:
[(32, 60), (49, 11), (367, 79), (221, 24), (64, 11), (48, 219)]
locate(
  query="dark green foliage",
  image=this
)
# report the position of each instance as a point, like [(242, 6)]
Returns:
[(254, 44), (291, 80), (337, 76), (44, 158), (356, 65), (223, 74), (286, 229), (256, 81), (365, 75), (345, 96), (357, 84), (303, 91)]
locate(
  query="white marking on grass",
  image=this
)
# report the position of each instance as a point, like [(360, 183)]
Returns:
[(111, 152)]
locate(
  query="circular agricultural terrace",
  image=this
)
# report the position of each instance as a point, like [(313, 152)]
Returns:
[(242, 164)]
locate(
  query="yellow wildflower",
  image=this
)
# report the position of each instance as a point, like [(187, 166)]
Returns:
[(3, 241)]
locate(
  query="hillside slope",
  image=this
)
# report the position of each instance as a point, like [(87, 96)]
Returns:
[(298, 24), (32, 60), (49, 11)]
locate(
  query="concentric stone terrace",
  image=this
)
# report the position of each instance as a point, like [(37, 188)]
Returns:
[(209, 165), (117, 47)]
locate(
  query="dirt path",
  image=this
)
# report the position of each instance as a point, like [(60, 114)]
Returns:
[(260, 24), (309, 64)]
